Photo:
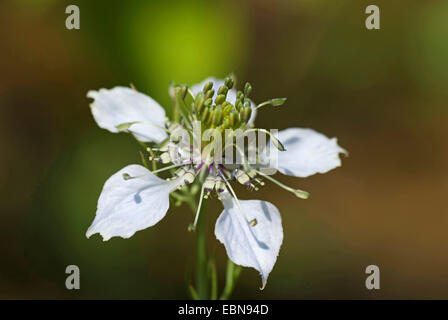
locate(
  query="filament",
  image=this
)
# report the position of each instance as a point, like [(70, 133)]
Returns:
[(299, 193)]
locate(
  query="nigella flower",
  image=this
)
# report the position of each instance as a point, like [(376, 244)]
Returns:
[(136, 198)]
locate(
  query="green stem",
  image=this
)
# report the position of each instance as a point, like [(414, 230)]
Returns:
[(214, 280), (232, 274), (201, 255)]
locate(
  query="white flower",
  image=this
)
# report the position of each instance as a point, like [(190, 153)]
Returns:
[(135, 198)]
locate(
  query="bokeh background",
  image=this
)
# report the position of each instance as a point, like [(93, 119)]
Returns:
[(383, 93)]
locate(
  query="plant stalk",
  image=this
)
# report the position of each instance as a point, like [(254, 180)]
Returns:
[(201, 255)]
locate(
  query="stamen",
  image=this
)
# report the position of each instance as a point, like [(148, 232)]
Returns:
[(165, 158), (127, 176), (297, 192), (189, 176), (209, 183), (125, 126), (273, 102), (180, 172), (236, 199), (192, 227), (242, 177), (275, 141), (225, 171), (168, 168), (220, 185)]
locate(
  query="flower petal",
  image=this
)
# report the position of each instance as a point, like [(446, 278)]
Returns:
[(307, 152), (250, 246), (121, 105), (128, 205), (231, 94)]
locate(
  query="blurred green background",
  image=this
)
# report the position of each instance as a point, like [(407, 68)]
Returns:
[(383, 93)]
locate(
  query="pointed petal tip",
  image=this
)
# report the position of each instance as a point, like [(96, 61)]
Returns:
[(89, 233), (92, 94)]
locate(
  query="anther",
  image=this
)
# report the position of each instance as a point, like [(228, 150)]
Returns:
[(223, 90), (245, 114), (165, 158), (189, 176), (220, 185), (180, 172), (247, 89), (207, 86), (242, 177), (227, 107), (199, 102), (209, 94), (297, 192), (229, 82), (254, 187), (209, 183), (216, 116), (220, 98), (239, 104), (208, 102), (126, 176), (205, 114)]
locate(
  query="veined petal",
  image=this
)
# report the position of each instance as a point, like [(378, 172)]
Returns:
[(307, 152), (231, 94), (254, 246), (121, 105), (132, 199)]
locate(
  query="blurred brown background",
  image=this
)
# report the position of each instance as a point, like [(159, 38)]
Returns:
[(382, 92)]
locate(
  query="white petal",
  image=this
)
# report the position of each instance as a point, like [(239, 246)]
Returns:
[(231, 94), (127, 206), (250, 246), (120, 105), (307, 152)]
